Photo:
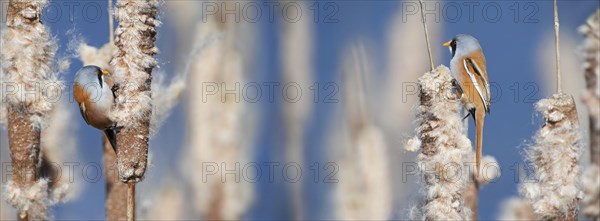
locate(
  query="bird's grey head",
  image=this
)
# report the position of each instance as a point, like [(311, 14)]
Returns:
[(462, 44), (90, 74)]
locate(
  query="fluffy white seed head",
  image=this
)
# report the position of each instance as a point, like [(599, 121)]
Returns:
[(516, 209), (165, 97), (34, 200), (413, 144), (132, 63), (555, 158), (489, 171), (100, 57), (444, 148), (27, 53)]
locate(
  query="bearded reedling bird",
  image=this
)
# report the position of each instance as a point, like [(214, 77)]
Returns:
[(471, 81), (93, 91)]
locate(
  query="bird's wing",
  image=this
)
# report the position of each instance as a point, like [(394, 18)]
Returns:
[(479, 79), (83, 112), (482, 73)]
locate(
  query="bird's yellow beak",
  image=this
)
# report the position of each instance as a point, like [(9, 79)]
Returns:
[(104, 72), (447, 44)]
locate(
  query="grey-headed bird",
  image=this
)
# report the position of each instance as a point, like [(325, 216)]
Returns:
[(93, 91), (471, 80)]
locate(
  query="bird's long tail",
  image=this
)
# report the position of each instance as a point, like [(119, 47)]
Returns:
[(111, 135), (479, 137)]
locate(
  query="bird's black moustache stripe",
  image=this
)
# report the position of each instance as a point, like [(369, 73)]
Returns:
[(453, 46), (453, 50), (100, 79)]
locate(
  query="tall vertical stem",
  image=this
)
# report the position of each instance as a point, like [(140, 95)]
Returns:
[(426, 36), (131, 201), (556, 40), (116, 191)]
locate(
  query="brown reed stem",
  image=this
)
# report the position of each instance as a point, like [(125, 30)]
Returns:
[(426, 36), (556, 40), (116, 191), (131, 201)]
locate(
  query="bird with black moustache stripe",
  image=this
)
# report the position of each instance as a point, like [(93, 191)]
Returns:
[(94, 92), (468, 68)]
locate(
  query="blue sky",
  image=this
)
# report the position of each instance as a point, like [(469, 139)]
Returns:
[(510, 40)]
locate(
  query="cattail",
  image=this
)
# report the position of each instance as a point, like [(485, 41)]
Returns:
[(217, 137), (555, 160), (569, 64), (555, 153), (297, 64), (444, 148), (56, 150), (27, 55), (364, 190), (27, 52), (590, 51), (133, 63), (516, 209), (406, 59), (56, 186)]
